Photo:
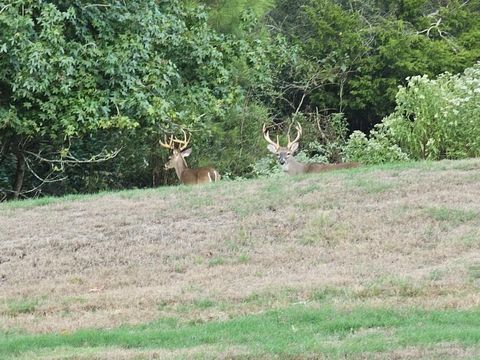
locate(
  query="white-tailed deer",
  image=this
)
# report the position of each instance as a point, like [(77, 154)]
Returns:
[(287, 160), (177, 161)]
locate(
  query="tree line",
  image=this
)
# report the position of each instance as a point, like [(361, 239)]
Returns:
[(87, 89)]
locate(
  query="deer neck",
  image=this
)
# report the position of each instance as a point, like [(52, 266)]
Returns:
[(180, 167), (293, 167)]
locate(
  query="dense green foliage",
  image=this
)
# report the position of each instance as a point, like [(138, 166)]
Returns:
[(367, 48), (80, 80), (74, 70), (226, 15), (434, 119)]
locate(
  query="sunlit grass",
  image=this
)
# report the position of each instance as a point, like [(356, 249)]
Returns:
[(292, 331)]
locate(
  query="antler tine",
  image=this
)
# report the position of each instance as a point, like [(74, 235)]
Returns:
[(183, 143), (267, 137), (170, 143), (288, 134), (299, 134), (185, 139)]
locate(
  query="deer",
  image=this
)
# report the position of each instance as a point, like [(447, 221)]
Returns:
[(287, 160), (177, 161)]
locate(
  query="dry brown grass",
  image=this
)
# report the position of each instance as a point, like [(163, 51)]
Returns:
[(200, 352), (444, 352), (396, 237)]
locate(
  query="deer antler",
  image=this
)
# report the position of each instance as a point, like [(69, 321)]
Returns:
[(267, 137), (168, 145), (298, 127), (173, 140), (183, 143)]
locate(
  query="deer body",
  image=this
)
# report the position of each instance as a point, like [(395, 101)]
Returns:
[(288, 162), (186, 175), (294, 167)]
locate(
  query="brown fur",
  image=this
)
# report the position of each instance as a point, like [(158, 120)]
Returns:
[(190, 176), (199, 176), (288, 162)]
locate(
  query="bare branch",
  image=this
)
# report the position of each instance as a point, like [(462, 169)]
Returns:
[(46, 179), (307, 89), (70, 159), (8, 5), (300, 105), (435, 25), (57, 165), (97, 5)]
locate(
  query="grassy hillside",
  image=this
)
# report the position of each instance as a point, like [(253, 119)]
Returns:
[(377, 262)]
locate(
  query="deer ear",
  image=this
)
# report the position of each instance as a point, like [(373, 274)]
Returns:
[(272, 148), (294, 147), (187, 152)]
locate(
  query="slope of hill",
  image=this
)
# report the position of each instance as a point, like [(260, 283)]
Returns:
[(388, 237)]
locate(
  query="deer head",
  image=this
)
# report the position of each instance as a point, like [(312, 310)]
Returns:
[(177, 161), (179, 153), (284, 154)]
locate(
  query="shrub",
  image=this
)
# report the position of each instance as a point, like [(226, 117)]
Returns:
[(434, 119), (266, 167), (376, 150), (437, 119)]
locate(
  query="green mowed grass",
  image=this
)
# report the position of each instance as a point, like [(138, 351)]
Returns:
[(293, 331)]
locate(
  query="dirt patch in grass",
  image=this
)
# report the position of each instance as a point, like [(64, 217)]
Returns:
[(200, 352), (444, 351), (119, 259)]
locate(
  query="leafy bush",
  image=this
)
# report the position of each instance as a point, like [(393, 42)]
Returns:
[(440, 118), (365, 49), (266, 167), (95, 78), (434, 119), (376, 150)]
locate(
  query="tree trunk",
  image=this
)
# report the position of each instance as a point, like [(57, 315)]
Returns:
[(19, 174), (4, 151)]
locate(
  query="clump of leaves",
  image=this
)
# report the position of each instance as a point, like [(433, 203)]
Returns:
[(434, 119)]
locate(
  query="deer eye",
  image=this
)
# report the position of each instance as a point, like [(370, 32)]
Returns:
[(288, 153)]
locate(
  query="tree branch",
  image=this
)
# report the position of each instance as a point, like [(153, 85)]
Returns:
[(71, 159)]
